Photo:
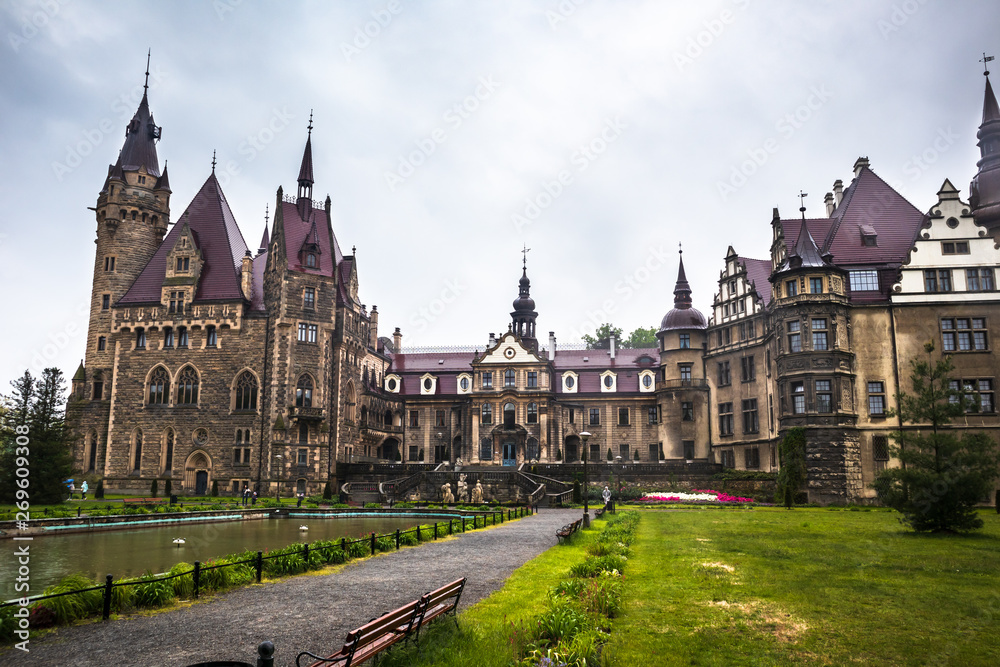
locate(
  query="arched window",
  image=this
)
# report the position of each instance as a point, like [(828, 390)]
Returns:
[(304, 392), (533, 413), (486, 449), (137, 450), (239, 436), (509, 414), (533, 452), (311, 260), (246, 391), (159, 386), (487, 413), (92, 454), (187, 387), (182, 334), (168, 450), (350, 405), (509, 378), (168, 337), (140, 339)]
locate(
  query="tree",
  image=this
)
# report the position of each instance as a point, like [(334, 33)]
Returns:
[(601, 338), (793, 473), (943, 475), (34, 437), (640, 338), (154, 488), (327, 491), (168, 489), (610, 456)]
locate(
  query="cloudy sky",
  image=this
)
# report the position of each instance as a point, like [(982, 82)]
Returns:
[(449, 135)]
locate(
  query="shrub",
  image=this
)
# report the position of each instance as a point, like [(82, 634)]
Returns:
[(405, 505), (152, 591), (8, 623), (562, 622), (408, 538), (386, 543), (373, 506), (167, 489), (183, 585), (327, 492), (99, 491), (594, 566), (359, 548), (68, 608), (215, 488), (154, 488)]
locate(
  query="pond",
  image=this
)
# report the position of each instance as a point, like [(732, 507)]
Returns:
[(131, 552)]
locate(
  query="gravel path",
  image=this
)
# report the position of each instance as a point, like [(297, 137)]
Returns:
[(301, 613)]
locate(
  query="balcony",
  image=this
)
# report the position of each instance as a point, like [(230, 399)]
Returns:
[(313, 414), (697, 383)]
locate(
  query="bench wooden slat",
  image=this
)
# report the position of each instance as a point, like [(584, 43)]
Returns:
[(373, 637), (436, 602)]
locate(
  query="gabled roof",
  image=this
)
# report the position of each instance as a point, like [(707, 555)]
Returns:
[(758, 274), (218, 237), (868, 201)]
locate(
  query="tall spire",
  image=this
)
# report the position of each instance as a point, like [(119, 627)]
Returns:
[(984, 191), (263, 239), (303, 201), (524, 315), (805, 252), (682, 291), (145, 85), (141, 135)]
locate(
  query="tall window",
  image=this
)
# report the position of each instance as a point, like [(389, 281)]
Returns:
[(792, 288), (876, 399), (168, 451), (311, 260), (509, 378), (824, 397), (182, 337), (794, 336), (159, 386), (211, 336), (937, 281), (187, 387), (98, 386), (105, 301), (532, 379), (533, 413), (685, 370), (815, 285), (798, 398), (880, 451), (687, 411), (246, 391), (439, 418), (509, 414), (302, 457), (748, 371), (486, 449), (140, 339), (725, 376), (653, 414), (819, 334), (168, 337), (751, 458), (183, 264), (751, 424), (414, 418), (176, 302), (963, 334), (109, 263), (487, 380), (685, 341), (623, 451), (137, 451), (304, 392), (595, 416), (309, 298), (623, 417), (102, 343), (303, 433), (533, 452), (487, 413), (725, 418)]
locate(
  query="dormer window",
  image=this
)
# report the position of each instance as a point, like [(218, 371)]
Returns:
[(142, 179), (183, 264), (176, 302), (869, 237), (310, 260)]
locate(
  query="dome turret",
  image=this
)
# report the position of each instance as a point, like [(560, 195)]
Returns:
[(682, 315)]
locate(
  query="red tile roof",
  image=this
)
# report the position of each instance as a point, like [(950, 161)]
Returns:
[(599, 359), (758, 273), (427, 362), (296, 231), (217, 236), (139, 149)]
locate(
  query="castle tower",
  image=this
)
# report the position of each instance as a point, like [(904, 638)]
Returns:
[(984, 190), (524, 315)]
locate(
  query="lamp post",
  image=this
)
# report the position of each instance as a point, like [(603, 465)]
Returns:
[(584, 437)]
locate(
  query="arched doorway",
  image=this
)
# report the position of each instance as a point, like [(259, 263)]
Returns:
[(390, 449), (197, 473), (572, 448)]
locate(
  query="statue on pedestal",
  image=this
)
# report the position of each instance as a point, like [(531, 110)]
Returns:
[(477, 493), (463, 489), (446, 496)]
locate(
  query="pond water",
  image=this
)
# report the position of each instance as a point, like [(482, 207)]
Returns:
[(131, 552)]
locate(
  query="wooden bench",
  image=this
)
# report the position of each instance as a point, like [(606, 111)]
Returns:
[(566, 531), (145, 501), (389, 629)]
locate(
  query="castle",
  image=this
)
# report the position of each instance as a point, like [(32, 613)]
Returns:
[(209, 362)]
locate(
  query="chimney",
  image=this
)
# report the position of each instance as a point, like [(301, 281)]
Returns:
[(830, 206), (552, 345), (838, 191), (246, 274), (493, 339), (611, 346), (373, 328), (397, 341), (859, 165)]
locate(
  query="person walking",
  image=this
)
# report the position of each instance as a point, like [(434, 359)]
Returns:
[(72, 489), (83, 489)]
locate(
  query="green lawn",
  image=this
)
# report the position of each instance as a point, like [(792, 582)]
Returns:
[(765, 587), (808, 586)]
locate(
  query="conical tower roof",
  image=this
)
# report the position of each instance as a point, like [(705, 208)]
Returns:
[(682, 315)]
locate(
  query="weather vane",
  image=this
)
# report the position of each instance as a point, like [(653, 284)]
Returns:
[(525, 252), (802, 203), (145, 86), (213, 161), (310, 122), (986, 59), (680, 248)]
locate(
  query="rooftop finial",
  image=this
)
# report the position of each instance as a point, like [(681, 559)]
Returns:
[(213, 161), (985, 60), (310, 122), (802, 203), (267, 214), (145, 86), (680, 248), (525, 252)]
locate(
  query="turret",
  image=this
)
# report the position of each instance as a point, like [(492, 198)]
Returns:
[(524, 315), (303, 200), (984, 190)]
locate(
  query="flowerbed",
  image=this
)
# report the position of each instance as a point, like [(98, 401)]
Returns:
[(695, 496)]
